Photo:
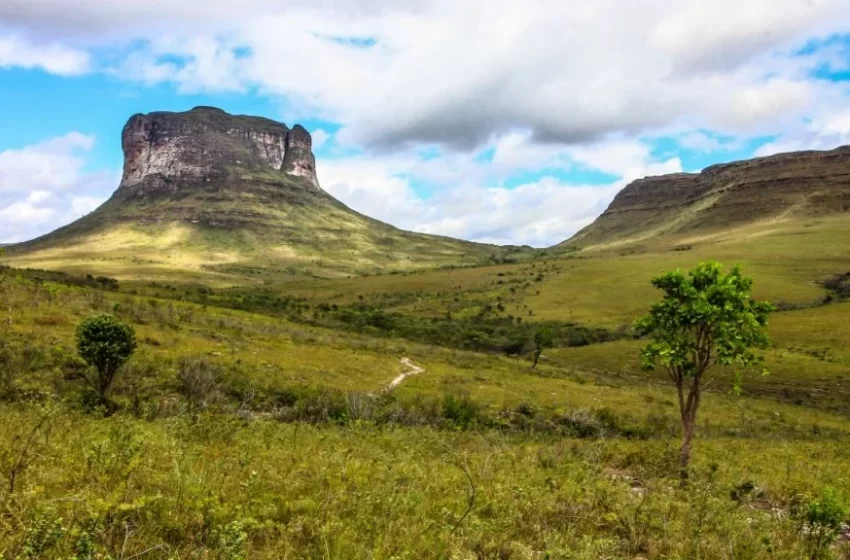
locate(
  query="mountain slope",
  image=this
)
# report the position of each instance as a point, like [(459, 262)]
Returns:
[(220, 198), (724, 197)]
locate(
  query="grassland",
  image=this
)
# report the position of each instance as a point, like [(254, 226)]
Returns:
[(256, 227), (299, 452)]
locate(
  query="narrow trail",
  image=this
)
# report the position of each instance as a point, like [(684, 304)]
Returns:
[(412, 369)]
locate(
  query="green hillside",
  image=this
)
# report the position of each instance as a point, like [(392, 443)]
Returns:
[(230, 199), (298, 448), (283, 404), (263, 226), (679, 208)]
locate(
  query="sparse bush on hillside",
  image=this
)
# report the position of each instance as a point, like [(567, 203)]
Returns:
[(105, 343), (460, 410), (542, 339), (138, 382), (838, 286), (822, 519)]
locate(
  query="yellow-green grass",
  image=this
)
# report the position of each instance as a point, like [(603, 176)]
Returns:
[(787, 260), (227, 488), (239, 237), (228, 485), (273, 354)]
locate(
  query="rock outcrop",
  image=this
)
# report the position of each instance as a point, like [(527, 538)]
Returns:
[(810, 183), (166, 153)]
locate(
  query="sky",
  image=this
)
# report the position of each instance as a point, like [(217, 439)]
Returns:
[(490, 120)]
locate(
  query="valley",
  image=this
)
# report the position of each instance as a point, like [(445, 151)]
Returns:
[(311, 383)]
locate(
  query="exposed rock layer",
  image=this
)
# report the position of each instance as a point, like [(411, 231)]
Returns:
[(166, 153), (808, 183)]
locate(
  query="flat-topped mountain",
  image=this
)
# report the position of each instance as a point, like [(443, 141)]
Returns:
[(165, 153), (215, 197), (782, 186)]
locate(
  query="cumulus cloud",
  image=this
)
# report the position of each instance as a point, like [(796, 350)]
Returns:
[(458, 72), (463, 96), (540, 213), (52, 165), (51, 57), (320, 137), (823, 132), (45, 186)]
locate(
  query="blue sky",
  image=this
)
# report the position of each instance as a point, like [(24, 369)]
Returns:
[(482, 120)]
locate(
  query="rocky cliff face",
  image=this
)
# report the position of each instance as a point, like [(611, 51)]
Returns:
[(166, 153), (810, 183)]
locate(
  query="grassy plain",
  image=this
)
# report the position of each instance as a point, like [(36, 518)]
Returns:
[(300, 453)]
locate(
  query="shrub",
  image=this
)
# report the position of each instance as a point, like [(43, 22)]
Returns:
[(822, 519), (460, 409), (105, 343)]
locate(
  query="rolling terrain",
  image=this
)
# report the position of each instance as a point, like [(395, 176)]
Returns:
[(221, 199), (396, 414), (692, 207)]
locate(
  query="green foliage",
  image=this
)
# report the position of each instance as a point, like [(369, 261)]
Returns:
[(40, 536), (822, 518), (105, 343), (489, 334), (544, 338), (460, 410), (705, 318)]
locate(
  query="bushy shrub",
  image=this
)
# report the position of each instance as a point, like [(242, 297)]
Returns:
[(105, 343), (822, 518), (460, 410)]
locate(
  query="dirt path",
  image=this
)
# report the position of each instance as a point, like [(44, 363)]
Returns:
[(412, 369)]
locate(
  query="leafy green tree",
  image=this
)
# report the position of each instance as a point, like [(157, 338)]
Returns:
[(705, 318), (105, 343), (542, 339)]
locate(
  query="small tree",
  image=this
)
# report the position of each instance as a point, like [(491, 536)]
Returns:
[(542, 339), (105, 343), (705, 318)]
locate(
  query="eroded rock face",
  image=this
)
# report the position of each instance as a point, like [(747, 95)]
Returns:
[(298, 157), (166, 152), (810, 183)]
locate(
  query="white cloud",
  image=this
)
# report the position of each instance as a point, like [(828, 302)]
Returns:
[(45, 186), (459, 72), (617, 157), (543, 87), (539, 213), (51, 57), (51, 165), (320, 137), (823, 132)]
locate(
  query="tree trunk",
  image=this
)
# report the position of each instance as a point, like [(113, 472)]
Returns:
[(689, 422), (536, 358), (685, 454)]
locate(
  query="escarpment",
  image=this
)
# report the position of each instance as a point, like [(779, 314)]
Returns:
[(810, 183), (169, 153)]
